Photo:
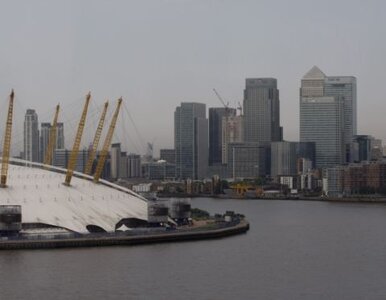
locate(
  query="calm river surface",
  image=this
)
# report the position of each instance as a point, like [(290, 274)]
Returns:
[(294, 250)]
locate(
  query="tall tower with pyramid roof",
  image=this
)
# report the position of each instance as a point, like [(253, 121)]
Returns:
[(328, 115), (313, 83)]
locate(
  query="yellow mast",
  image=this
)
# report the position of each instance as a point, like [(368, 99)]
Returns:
[(7, 143), (97, 137), (75, 148), (52, 139), (106, 145)]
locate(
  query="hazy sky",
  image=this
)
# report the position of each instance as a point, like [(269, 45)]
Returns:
[(157, 54)]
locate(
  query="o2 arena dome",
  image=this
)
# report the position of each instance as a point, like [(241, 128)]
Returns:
[(46, 201), (33, 196)]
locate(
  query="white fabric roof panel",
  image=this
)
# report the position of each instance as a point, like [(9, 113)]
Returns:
[(44, 199)]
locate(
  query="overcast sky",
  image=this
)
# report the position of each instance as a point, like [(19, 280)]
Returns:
[(157, 54)]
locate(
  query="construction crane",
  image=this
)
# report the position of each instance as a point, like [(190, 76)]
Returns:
[(75, 148), (106, 145), (7, 142), (52, 139), (95, 143), (225, 127), (222, 101), (240, 108)]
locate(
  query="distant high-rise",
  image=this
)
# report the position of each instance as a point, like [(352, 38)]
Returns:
[(328, 115), (321, 121), (217, 115), (261, 111), (123, 167), (133, 166), (60, 136), (168, 155), (285, 156), (62, 156), (232, 132), (44, 138), (191, 140), (31, 136), (248, 160), (45, 129), (345, 87), (115, 161)]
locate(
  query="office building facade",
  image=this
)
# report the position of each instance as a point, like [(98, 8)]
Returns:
[(285, 157), (133, 166), (321, 122), (168, 155), (191, 140), (328, 116), (217, 115), (248, 160), (160, 170), (31, 136), (45, 129), (115, 161), (62, 156), (261, 111), (232, 132)]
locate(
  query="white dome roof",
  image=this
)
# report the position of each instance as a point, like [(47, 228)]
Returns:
[(44, 199)]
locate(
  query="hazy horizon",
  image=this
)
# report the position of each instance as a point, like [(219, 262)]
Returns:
[(157, 54)]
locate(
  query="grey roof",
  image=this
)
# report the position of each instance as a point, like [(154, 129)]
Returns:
[(314, 73)]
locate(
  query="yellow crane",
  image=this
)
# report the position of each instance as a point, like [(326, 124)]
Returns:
[(7, 142), (95, 143), (52, 138), (75, 148), (106, 145)]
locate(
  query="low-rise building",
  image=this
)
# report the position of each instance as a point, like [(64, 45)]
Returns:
[(160, 170)]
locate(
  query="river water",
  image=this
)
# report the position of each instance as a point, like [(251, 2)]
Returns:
[(294, 250)]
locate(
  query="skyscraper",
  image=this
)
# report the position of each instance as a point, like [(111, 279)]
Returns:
[(62, 156), (60, 136), (328, 115), (45, 129), (248, 160), (133, 165), (261, 111), (285, 156), (232, 132), (115, 159), (31, 136), (345, 87), (44, 138), (217, 115), (191, 140), (168, 155), (321, 121)]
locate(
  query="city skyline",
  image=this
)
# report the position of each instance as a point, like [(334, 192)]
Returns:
[(58, 53), (272, 82)]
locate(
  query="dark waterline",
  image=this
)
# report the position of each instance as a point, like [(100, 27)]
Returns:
[(294, 250)]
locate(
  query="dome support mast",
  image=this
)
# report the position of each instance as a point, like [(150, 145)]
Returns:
[(75, 148), (106, 145), (52, 139), (95, 143), (7, 143)]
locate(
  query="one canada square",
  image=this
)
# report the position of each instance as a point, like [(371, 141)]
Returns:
[(261, 111), (328, 115)]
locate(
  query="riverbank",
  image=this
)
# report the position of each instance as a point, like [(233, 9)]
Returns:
[(302, 198), (327, 199), (120, 240)]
